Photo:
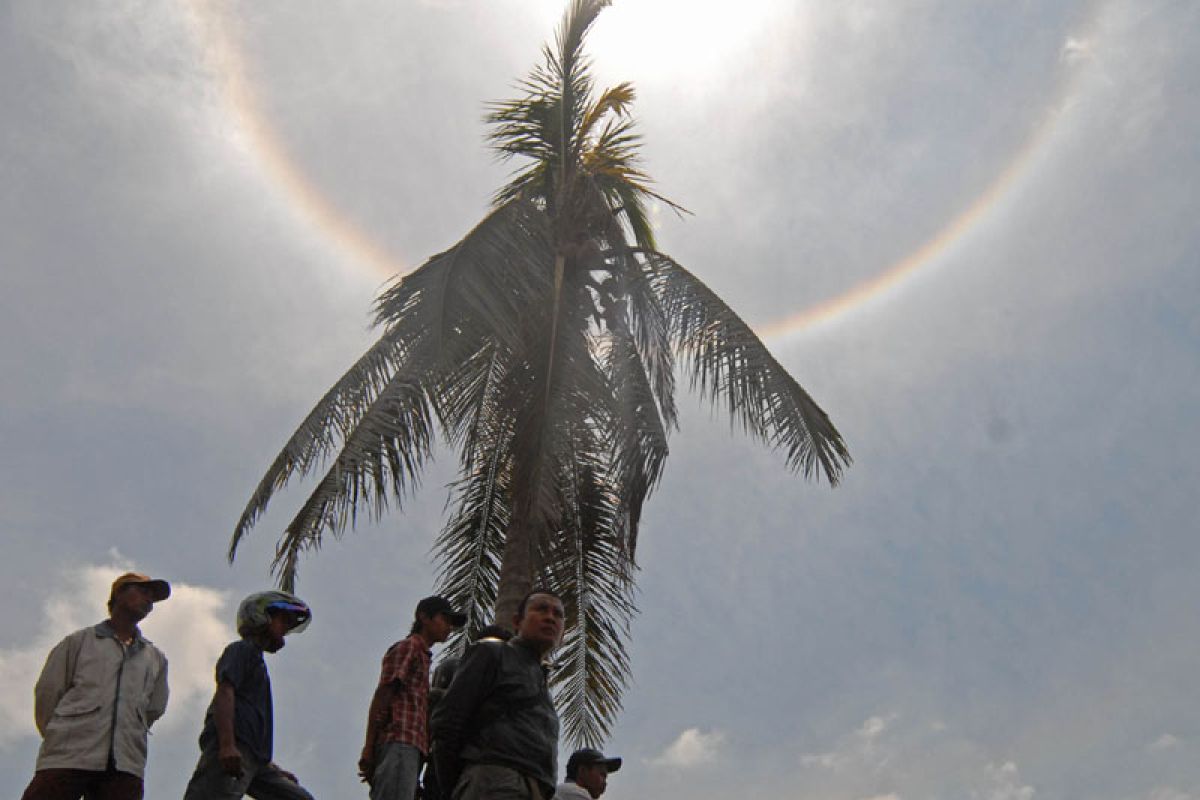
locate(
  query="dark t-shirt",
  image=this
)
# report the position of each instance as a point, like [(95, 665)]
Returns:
[(242, 666)]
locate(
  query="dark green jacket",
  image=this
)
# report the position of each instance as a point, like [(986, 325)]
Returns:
[(498, 710)]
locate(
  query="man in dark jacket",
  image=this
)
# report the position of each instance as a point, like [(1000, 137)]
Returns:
[(442, 677), (496, 730)]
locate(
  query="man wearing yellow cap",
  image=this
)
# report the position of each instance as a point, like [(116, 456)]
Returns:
[(99, 693)]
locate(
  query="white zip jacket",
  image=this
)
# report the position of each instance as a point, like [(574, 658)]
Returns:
[(97, 699), (571, 791)]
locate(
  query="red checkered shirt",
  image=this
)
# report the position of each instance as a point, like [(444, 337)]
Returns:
[(406, 667)]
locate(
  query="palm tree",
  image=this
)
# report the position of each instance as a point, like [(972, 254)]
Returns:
[(543, 347)]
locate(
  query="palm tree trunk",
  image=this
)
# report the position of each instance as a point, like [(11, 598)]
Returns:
[(521, 539), (516, 568)]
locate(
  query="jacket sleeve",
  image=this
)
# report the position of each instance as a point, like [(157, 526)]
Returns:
[(157, 705), (56, 677)]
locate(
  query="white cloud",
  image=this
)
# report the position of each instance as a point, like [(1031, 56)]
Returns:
[(888, 757), (857, 750), (873, 727), (1170, 793), (1164, 742), (1003, 782), (189, 627), (1075, 50), (692, 748)]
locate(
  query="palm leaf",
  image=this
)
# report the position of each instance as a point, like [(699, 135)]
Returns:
[(589, 563), (727, 362)]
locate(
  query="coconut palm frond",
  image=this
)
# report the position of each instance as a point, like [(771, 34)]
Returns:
[(615, 101), (728, 362), (639, 437), (436, 319), (651, 332), (469, 548), (480, 286), (590, 560), (381, 457), (338, 411)]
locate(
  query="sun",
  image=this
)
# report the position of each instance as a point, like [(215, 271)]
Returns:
[(668, 40)]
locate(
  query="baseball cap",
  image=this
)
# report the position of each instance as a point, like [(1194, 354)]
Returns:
[(159, 589), (587, 756), (440, 605)]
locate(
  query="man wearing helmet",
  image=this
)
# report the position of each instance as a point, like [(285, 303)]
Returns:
[(236, 742)]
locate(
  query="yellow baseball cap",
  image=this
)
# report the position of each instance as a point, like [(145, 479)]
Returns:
[(159, 588)]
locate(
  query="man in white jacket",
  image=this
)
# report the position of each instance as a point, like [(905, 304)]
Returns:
[(100, 691), (587, 775)]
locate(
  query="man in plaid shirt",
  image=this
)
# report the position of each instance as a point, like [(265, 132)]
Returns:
[(397, 722)]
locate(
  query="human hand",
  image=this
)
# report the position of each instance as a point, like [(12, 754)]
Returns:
[(286, 774), (366, 765), (231, 761)]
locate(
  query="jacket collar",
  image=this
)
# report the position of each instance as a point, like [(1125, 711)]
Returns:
[(531, 652), (104, 630)]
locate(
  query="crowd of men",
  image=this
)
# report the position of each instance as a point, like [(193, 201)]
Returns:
[(486, 730)]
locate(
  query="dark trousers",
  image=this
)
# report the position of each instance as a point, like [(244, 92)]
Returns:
[(260, 779), (494, 782), (72, 784)]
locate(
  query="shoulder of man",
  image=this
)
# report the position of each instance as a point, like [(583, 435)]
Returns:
[(155, 651), (70, 644), (81, 634), (569, 789), (400, 647), (486, 651), (241, 650)]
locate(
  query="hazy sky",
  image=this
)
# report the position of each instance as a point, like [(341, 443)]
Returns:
[(969, 229)]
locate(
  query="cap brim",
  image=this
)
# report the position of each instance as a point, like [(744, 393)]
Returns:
[(159, 589), (456, 618), (613, 764)]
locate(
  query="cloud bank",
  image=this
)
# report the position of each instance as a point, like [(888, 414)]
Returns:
[(190, 627)]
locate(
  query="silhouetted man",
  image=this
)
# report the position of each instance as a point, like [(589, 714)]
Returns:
[(496, 730)]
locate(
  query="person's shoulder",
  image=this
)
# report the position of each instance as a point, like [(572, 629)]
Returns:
[(490, 648), (569, 790), (481, 654), (74, 639), (241, 648), (408, 642), (154, 650)]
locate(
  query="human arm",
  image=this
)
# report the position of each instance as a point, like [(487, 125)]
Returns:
[(402, 666), (377, 715), (157, 704), (224, 704), (54, 680)]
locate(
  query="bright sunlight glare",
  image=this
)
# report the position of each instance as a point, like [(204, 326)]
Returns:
[(665, 40)]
